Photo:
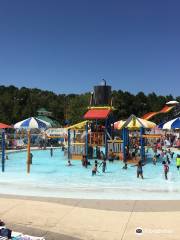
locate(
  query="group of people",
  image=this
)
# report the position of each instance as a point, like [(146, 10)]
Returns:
[(165, 156), (169, 140), (86, 163), (96, 165)]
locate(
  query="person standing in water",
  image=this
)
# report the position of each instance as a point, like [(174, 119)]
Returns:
[(96, 163), (154, 159), (31, 157), (166, 169), (51, 151), (94, 170), (69, 163), (103, 165), (139, 166)]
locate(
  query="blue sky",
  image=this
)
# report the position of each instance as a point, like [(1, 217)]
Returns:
[(70, 45)]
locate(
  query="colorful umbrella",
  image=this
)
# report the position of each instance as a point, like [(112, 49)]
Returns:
[(32, 123), (134, 123), (173, 124)]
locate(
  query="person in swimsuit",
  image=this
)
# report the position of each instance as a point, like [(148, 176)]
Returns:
[(166, 169), (103, 165), (139, 166)]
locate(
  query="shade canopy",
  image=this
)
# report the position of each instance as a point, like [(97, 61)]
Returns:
[(172, 102), (77, 126), (134, 122), (3, 126), (97, 114), (173, 124), (32, 123)]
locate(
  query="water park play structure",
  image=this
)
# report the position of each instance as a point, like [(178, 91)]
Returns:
[(97, 132)]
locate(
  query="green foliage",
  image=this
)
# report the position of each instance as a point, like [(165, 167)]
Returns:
[(18, 104)]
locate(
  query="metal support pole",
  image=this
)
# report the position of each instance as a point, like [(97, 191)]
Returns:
[(3, 150), (74, 137), (127, 137), (142, 144), (106, 140), (69, 143), (29, 152), (86, 140), (124, 144)]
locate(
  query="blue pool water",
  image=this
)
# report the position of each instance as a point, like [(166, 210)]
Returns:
[(51, 177)]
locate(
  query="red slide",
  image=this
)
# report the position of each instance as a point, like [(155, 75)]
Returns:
[(165, 109)]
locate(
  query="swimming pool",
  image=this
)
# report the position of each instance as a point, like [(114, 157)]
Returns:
[(51, 177)]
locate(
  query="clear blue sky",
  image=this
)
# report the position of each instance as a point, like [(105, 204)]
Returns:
[(70, 45)]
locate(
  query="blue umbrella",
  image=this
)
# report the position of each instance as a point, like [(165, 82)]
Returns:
[(173, 124), (161, 125), (31, 123)]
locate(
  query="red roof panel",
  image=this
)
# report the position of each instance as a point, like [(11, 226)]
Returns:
[(2, 125), (97, 114)]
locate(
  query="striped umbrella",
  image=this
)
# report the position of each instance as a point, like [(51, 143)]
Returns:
[(32, 123), (160, 126), (134, 123), (173, 124)]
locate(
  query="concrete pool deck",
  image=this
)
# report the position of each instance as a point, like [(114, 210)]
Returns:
[(75, 219)]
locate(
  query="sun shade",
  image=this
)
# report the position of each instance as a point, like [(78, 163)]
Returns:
[(97, 114)]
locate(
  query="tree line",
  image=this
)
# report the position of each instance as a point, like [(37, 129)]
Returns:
[(17, 104)]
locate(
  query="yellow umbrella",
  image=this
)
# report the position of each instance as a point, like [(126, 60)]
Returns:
[(137, 123)]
